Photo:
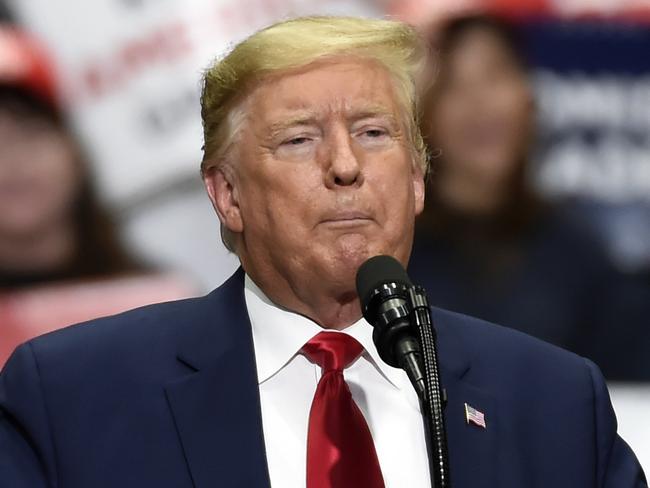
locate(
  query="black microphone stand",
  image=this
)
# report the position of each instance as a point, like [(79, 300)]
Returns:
[(404, 336), (433, 400)]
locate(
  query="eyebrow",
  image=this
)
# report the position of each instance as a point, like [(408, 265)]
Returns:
[(305, 118), (378, 111), (310, 118)]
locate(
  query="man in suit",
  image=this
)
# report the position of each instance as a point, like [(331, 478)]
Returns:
[(314, 163)]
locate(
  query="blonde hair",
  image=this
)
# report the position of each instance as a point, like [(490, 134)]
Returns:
[(296, 43)]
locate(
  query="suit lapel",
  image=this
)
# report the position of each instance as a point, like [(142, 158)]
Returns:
[(216, 407), (472, 449)]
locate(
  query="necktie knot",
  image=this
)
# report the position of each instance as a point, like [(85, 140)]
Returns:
[(332, 351)]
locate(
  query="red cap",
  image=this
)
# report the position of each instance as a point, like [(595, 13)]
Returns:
[(23, 63)]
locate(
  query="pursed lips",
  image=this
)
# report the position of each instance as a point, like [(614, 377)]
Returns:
[(348, 217)]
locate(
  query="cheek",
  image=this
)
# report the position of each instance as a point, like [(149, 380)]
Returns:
[(55, 171), (60, 176), (282, 202), (393, 181), (45, 193), (524, 112), (511, 99)]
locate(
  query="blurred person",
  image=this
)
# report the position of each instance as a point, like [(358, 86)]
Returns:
[(54, 232), (314, 162), (52, 226), (487, 244)]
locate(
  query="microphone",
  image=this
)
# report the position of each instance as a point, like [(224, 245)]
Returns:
[(404, 336), (383, 288)]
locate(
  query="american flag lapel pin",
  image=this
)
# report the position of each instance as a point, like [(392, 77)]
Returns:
[(473, 416)]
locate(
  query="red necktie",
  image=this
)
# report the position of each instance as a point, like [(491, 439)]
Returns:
[(340, 451)]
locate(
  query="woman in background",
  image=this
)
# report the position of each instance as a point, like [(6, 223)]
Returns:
[(61, 260), (487, 245), (52, 226)]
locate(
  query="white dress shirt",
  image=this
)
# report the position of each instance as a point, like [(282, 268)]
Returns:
[(287, 383)]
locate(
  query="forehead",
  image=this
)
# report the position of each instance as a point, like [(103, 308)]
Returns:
[(344, 87)]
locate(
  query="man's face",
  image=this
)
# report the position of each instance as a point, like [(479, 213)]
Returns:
[(323, 177)]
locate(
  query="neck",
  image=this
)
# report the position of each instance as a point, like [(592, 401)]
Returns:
[(337, 308), (42, 251)]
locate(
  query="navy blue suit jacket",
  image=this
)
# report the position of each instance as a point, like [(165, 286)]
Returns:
[(167, 396)]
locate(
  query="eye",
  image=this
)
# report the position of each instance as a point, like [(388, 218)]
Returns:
[(374, 133), (374, 136), (297, 146), (296, 141)]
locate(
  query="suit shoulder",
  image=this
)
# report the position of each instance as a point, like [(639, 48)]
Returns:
[(135, 351), (144, 328), (511, 353)]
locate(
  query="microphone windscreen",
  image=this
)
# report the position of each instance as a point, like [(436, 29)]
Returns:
[(377, 271)]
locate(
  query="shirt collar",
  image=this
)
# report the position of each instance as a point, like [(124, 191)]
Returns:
[(279, 334)]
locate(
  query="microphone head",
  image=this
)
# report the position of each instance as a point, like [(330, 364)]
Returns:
[(374, 273)]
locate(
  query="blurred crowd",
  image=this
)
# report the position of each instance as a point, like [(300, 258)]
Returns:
[(489, 244)]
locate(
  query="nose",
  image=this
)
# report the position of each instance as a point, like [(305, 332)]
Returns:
[(344, 168)]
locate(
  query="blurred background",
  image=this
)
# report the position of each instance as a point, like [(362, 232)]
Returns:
[(538, 204)]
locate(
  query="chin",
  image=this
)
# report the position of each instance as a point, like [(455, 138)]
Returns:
[(351, 251)]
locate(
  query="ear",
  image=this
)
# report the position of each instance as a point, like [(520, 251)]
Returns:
[(221, 186), (418, 189)]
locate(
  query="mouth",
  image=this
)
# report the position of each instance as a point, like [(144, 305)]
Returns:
[(347, 219)]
